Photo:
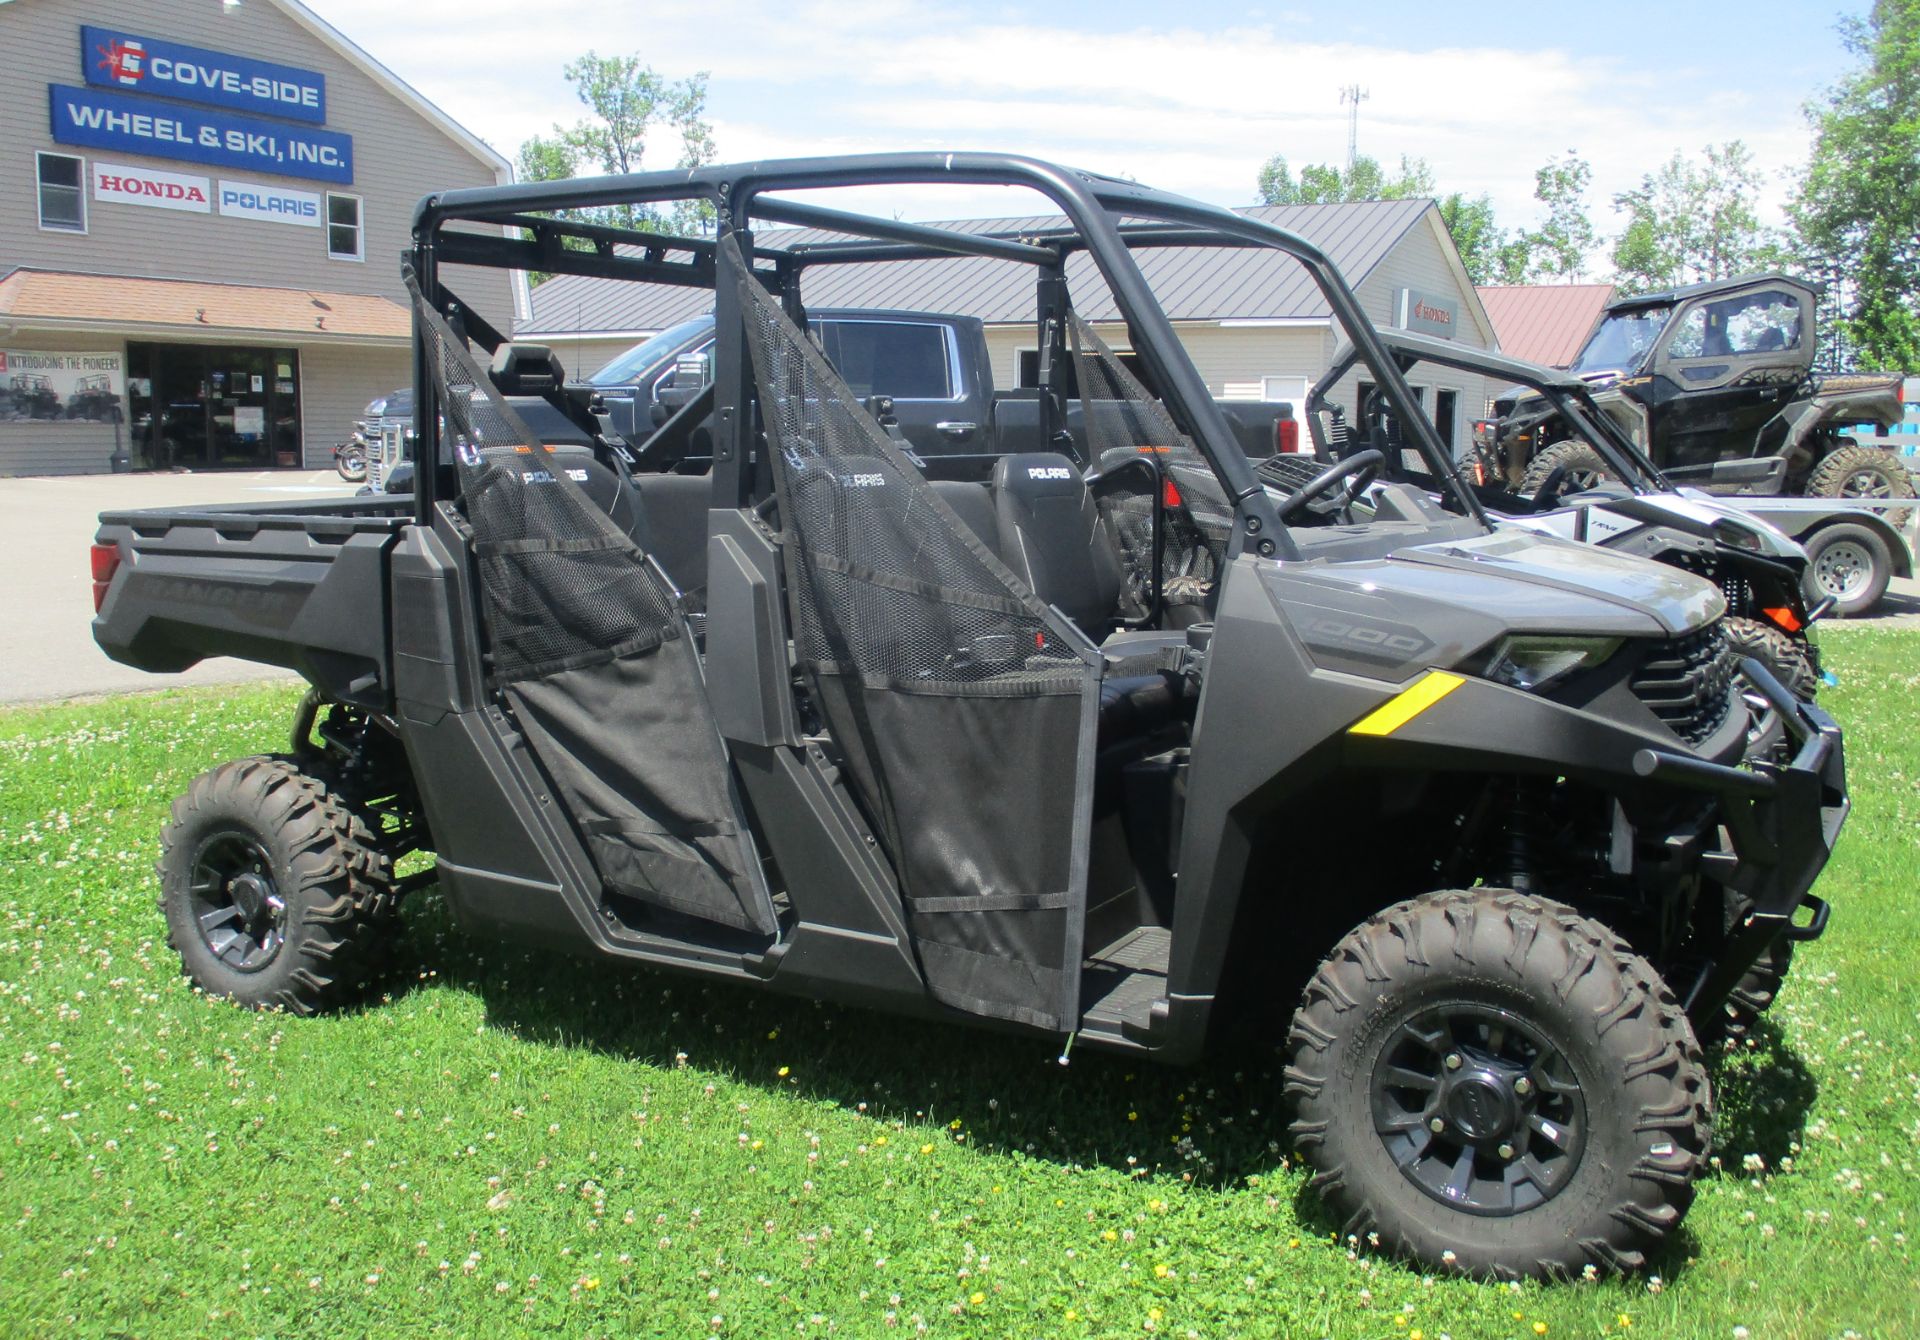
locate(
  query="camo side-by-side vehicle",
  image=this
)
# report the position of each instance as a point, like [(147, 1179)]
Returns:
[(1122, 755)]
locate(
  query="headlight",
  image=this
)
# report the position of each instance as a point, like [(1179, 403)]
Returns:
[(1736, 536), (1533, 662), (376, 408)]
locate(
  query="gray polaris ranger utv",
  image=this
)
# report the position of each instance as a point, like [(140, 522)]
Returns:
[(1122, 753)]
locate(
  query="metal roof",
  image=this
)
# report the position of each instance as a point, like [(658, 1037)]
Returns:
[(1544, 323), (1192, 283)]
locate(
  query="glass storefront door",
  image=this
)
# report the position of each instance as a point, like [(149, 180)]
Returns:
[(214, 406)]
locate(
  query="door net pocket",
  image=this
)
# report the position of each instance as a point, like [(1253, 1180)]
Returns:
[(962, 705), (1124, 420), (588, 646)]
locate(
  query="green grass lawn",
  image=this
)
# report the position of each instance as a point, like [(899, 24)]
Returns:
[(511, 1142)]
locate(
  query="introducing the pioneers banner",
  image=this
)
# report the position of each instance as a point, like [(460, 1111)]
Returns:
[(43, 384)]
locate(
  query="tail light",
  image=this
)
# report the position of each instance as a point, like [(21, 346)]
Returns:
[(1286, 433), (105, 561)]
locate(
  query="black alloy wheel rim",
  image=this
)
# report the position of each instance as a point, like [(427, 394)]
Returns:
[(1478, 1109), (236, 904), (1866, 484)]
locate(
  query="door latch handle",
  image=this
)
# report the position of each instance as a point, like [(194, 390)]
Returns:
[(954, 428)]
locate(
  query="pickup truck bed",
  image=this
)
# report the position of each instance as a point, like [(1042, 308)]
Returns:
[(300, 585)]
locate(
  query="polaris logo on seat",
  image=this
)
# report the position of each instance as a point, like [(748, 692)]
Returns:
[(1049, 472), (866, 481), (578, 476)]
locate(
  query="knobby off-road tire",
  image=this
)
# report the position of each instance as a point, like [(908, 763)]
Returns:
[(1786, 658), (1456, 991), (1758, 988), (272, 886), (1863, 472), (1583, 465)]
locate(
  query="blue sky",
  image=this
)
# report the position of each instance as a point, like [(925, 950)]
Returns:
[(1191, 98)]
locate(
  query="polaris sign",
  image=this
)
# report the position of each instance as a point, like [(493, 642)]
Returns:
[(97, 119), (117, 60), (269, 204)]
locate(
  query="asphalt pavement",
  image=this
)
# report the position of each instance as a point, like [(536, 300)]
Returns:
[(46, 526)]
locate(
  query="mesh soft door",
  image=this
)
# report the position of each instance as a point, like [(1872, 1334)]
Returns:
[(964, 707), (589, 647)]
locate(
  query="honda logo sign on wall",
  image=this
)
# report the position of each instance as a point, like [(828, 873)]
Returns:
[(124, 185)]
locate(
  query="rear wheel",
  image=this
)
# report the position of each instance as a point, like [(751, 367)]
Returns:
[(1580, 466), (1493, 1083), (1786, 658), (1849, 564), (271, 886), (1852, 471)]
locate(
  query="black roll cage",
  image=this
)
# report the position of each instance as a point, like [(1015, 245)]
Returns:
[(740, 193), (1570, 396)]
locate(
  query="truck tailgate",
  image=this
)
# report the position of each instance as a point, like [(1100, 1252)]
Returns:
[(303, 587)]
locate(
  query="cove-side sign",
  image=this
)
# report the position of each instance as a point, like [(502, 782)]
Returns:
[(98, 119), (113, 59)]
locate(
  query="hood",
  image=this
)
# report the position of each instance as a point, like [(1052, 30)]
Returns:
[(1436, 604), (1578, 582)]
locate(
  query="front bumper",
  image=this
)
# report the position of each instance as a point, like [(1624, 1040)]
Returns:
[(1779, 821)]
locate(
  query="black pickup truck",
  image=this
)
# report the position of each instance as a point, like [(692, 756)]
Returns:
[(927, 374)]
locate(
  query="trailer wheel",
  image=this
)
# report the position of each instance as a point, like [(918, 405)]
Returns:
[(1491, 1083), (1581, 468), (1848, 563), (1781, 654), (271, 886)]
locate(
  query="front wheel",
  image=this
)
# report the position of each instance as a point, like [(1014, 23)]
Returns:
[(1492, 1083), (1848, 564), (1786, 658), (351, 462), (1578, 465)]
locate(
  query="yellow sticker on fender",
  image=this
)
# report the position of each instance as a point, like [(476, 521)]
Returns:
[(1409, 703)]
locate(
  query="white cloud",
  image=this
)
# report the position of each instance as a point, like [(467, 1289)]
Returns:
[(1189, 110)]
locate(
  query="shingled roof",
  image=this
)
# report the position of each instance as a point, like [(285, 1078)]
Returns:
[(1192, 283)]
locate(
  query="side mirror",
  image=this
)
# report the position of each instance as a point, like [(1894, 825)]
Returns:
[(692, 371)]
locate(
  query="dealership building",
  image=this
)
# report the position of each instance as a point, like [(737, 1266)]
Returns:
[(1254, 323), (205, 208)]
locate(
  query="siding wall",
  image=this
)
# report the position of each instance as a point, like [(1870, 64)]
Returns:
[(1227, 356), (336, 382)]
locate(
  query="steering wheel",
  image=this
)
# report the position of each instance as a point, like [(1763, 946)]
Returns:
[(1358, 469)]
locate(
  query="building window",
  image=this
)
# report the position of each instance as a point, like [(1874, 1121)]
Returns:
[(343, 228), (63, 199)]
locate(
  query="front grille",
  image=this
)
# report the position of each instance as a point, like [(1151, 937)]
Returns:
[(1688, 683)]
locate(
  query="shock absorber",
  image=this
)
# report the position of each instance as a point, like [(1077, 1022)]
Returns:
[(1522, 835)]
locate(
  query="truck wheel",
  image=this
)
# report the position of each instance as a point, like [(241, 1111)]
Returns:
[(1582, 468), (1758, 988), (1849, 563), (270, 886), (1493, 1083), (1781, 654), (1852, 471)]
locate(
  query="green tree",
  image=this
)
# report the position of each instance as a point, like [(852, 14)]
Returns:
[(1489, 253), (1557, 251), (1327, 184), (627, 101), (1692, 221), (1857, 210)]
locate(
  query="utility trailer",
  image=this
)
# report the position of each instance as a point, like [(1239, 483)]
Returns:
[(1103, 754)]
